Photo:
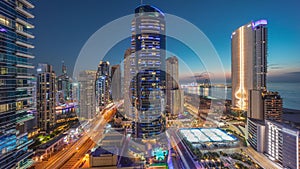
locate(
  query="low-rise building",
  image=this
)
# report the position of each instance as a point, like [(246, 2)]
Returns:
[(283, 144), (256, 134), (104, 157)]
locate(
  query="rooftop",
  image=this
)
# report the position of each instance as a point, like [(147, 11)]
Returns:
[(148, 8), (103, 151), (196, 135)]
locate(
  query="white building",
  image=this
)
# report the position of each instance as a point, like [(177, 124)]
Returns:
[(87, 100), (282, 144), (249, 61)]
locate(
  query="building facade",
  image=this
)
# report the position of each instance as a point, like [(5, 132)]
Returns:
[(116, 92), (64, 86), (46, 98), (103, 85), (272, 106), (173, 92), (15, 97), (148, 71), (256, 134), (283, 144), (265, 105), (249, 61), (256, 104), (87, 98), (126, 85), (105, 158)]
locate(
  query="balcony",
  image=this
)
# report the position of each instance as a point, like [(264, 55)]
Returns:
[(24, 118), (27, 143), (26, 34), (22, 11), (24, 87), (25, 23), (27, 3), (25, 66), (28, 164), (27, 45), (25, 55), (22, 111), (24, 98), (24, 77)]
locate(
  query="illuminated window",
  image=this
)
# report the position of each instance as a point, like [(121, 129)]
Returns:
[(20, 5), (4, 107), (3, 71), (19, 27), (5, 21), (19, 105)]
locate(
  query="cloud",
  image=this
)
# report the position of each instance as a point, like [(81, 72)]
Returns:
[(275, 67), (293, 74)]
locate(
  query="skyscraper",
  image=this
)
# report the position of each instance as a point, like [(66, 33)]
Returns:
[(87, 99), (64, 87), (173, 93), (126, 84), (46, 98), (116, 82), (15, 66), (148, 65), (103, 85), (249, 61)]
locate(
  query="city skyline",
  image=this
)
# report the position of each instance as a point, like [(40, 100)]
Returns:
[(282, 28), (150, 87)]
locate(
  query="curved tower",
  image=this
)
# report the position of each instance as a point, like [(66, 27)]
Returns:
[(249, 61)]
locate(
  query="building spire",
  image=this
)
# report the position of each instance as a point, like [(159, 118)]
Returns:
[(141, 2)]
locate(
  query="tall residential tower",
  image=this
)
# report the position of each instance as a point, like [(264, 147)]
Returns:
[(249, 61), (116, 83), (15, 96), (87, 100), (46, 98), (148, 71), (103, 85), (173, 92)]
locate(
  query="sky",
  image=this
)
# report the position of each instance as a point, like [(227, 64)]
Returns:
[(62, 27)]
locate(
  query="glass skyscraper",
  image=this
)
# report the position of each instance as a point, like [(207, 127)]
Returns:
[(15, 96), (147, 61), (103, 85)]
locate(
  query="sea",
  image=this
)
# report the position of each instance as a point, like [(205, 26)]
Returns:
[(290, 92)]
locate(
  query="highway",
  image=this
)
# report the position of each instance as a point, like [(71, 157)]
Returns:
[(74, 154), (77, 158), (61, 157)]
